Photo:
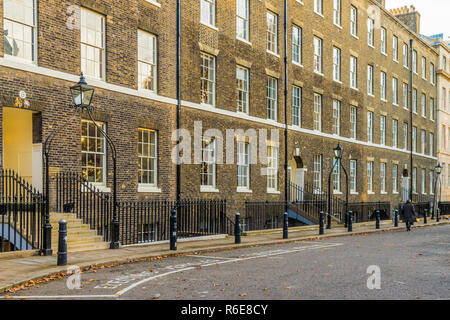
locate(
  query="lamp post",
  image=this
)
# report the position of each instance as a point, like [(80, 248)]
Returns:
[(338, 152), (437, 170), (82, 95)]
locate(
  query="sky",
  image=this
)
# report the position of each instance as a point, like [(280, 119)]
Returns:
[(434, 14)]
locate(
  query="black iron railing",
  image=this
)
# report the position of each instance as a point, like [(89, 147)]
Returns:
[(21, 211), (445, 208), (87, 202), (262, 215), (365, 211), (309, 201)]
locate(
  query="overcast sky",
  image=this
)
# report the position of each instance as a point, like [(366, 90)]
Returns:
[(434, 14)]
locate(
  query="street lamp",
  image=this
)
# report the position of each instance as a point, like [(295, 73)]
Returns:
[(437, 170), (82, 95), (338, 153)]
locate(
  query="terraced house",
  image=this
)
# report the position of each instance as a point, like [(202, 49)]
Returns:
[(346, 78)]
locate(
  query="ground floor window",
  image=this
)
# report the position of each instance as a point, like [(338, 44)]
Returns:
[(148, 157), (208, 174), (272, 168), (93, 155), (370, 176), (317, 181), (243, 165), (353, 176)]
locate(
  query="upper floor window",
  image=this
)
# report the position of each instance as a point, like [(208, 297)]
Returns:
[(353, 72), (272, 168), (394, 133), (336, 117), (297, 106), (405, 96), (317, 55), (395, 91), (370, 176), (370, 35), (424, 105), (272, 98), (383, 85), (297, 44), (383, 41), (272, 32), (208, 79), (395, 48), (432, 79), (317, 119), (242, 89), (337, 12), (370, 80), (370, 126), (431, 108), (242, 19), (353, 121), (208, 12), (318, 6), (19, 28), (353, 21), (414, 101), (147, 59), (148, 157), (92, 44), (424, 67), (414, 61), (336, 64), (383, 130), (431, 144), (405, 55)]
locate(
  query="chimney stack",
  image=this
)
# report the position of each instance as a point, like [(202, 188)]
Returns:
[(409, 16)]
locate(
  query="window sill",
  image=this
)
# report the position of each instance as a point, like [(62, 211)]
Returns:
[(337, 192), (300, 2), (396, 61), (202, 104), (319, 73), (395, 104), (208, 189), (148, 189), (273, 53), (243, 190), (384, 53), (244, 41), (384, 193), (354, 36), (354, 193), (356, 89), (383, 100), (337, 81), (297, 64), (20, 60), (338, 26), (319, 14), (370, 192), (154, 3), (370, 46), (395, 192), (271, 191), (209, 26), (371, 95)]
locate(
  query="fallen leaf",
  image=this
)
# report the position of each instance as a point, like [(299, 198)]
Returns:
[(242, 295)]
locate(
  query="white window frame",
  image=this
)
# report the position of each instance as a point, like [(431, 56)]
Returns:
[(242, 89), (297, 44), (297, 106), (337, 64), (145, 62), (424, 105), (370, 32), (370, 78), (85, 45), (318, 7), (370, 126), (424, 68), (353, 72), (86, 153), (405, 135), (353, 176), (336, 117), (147, 157), (353, 122), (209, 166), (383, 177), (423, 142), (395, 91), (208, 79), (272, 169), (383, 89), (405, 56), (19, 22), (395, 178), (336, 175), (272, 98), (317, 173), (272, 32), (394, 133), (383, 130), (383, 44), (370, 177), (423, 181), (395, 48), (414, 61), (317, 116), (414, 139), (337, 12), (405, 96), (354, 21), (208, 18), (318, 54), (243, 165), (242, 20)]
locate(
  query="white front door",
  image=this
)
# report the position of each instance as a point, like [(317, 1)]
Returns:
[(300, 181)]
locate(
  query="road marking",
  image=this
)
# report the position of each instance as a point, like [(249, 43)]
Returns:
[(228, 260), (209, 257)]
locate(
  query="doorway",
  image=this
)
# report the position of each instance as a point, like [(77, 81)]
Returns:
[(22, 144)]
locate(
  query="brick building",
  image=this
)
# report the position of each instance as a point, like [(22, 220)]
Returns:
[(348, 81)]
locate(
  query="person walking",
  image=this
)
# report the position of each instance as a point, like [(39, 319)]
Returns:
[(409, 214)]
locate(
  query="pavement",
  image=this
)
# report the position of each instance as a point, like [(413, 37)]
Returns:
[(25, 270)]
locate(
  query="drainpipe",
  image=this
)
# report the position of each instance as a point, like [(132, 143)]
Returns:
[(178, 170), (411, 42), (285, 108)]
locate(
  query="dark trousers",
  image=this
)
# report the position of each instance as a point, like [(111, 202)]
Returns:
[(408, 226)]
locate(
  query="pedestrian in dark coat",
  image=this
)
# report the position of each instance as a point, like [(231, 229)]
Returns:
[(409, 214)]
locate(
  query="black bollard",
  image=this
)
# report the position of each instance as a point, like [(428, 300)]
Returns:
[(432, 212), (377, 219), (173, 230), (237, 229), (438, 213), (396, 218), (329, 220), (346, 220), (321, 222), (350, 221), (62, 244), (425, 216), (285, 226)]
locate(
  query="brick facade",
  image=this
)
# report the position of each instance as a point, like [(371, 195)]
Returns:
[(124, 108)]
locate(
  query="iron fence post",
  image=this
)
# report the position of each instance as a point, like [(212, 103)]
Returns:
[(438, 213), (173, 230), (425, 216), (377, 217), (321, 222), (350, 221), (47, 228), (62, 243), (286, 226), (396, 218), (237, 229), (115, 223)]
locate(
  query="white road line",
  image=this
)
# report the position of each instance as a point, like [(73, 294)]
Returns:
[(228, 260), (209, 257), (125, 290)]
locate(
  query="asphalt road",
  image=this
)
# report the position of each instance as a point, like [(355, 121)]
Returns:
[(412, 265)]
